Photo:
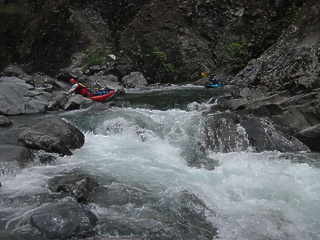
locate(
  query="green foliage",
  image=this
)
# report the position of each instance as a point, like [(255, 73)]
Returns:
[(270, 42), (162, 58), (169, 67), (98, 57), (240, 56), (237, 49), (14, 7), (237, 67)]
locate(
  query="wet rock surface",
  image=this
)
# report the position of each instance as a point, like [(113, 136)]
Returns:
[(13, 155), (64, 220), (79, 186), (273, 105), (279, 91), (53, 135), (4, 121)]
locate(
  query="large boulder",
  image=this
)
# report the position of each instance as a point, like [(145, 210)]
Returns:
[(15, 71), (25, 94), (18, 97), (41, 80), (238, 132), (59, 99), (109, 81), (263, 136), (64, 220), (53, 135), (135, 80)]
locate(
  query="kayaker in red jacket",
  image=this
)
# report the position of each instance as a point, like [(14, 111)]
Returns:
[(78, 88)]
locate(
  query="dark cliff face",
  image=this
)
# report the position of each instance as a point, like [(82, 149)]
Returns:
[(199, 35), (168, 41), (293, 63)]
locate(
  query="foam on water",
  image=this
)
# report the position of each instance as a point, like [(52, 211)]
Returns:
[(253, 195), (262, 196)]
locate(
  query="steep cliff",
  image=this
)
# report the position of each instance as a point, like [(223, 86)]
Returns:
[(168, 41), (282, 87), (293, 62), (219, 36)]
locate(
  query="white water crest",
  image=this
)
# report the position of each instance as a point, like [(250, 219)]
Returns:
[(268, 195)]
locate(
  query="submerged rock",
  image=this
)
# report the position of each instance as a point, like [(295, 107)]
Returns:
[(78, 185), (64, 220), (170, 215), (13, 153), (121, 194), (4, 121), (53, 135)]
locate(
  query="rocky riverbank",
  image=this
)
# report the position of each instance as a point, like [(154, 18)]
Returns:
[(275, 100), (23, 95), (273, 106)]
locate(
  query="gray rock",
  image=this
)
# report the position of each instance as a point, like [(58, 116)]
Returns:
[(18, 97), (222, 135), (76, 102), (121, 194), (250, 94), (41, 80), (95, 69), (53, 135), (58, 101), (46, 158), (263, 136), (98, 82), (64, 220), (16, 71), (134, 80), (15, 154), (78, 185), (233, 133), (292, 63), (311, 137), (4, 121), (66, 74), (299, 117)]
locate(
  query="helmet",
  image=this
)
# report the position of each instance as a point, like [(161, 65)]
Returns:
[(72, 80)]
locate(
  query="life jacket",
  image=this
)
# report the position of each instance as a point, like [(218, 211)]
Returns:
[(80, 87)]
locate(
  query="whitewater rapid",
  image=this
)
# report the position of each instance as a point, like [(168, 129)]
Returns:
[(268, 195)]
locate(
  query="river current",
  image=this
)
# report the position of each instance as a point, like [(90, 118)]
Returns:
[(144, 149)]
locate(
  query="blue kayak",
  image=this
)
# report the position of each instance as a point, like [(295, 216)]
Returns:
[(212, 85)]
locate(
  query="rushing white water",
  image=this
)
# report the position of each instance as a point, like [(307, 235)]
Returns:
[(267, 195)]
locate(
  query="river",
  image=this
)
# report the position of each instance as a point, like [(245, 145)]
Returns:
[(143, 154)]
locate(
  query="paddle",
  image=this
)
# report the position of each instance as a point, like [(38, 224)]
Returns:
[(203, 74)]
